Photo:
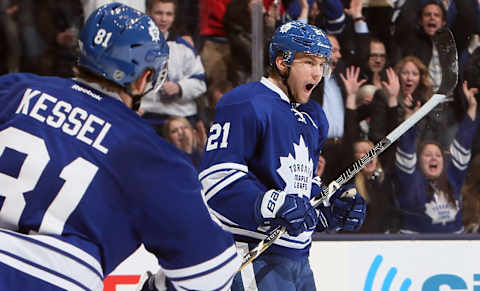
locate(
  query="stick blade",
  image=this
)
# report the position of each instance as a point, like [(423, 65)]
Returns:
[(447, 50)]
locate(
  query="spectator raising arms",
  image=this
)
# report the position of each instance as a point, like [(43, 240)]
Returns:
[(429, 180)]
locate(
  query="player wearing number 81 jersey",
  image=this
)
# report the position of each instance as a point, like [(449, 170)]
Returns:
[(84, 180)]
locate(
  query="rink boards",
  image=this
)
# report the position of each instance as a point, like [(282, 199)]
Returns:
[(367, 263)]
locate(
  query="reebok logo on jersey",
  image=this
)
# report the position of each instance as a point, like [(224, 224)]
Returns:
[(86, 91)]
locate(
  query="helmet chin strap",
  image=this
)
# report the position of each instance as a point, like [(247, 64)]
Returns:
[(136, 98)]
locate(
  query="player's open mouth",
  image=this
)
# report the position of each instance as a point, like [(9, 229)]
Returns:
[(309, 87)]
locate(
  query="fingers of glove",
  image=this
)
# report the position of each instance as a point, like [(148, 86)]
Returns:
[(311, 219), (341, 207), (322, 223), (295, 227)]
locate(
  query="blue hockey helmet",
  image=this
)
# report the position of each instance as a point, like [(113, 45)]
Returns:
[(296, 36), (119, 43)]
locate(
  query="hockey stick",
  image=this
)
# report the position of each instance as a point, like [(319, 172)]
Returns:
[(449, 81)]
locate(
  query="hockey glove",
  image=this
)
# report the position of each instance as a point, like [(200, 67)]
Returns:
[(278, 208), (153, 282), (348, 209)]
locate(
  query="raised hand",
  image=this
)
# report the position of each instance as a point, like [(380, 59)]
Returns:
[(391, 87), (472, 102), (352, 84), (355, 9)]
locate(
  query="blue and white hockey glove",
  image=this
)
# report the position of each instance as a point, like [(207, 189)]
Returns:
[(348, 209), (278, 208)]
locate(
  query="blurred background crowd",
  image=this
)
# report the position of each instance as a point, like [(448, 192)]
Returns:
[(385, 65)]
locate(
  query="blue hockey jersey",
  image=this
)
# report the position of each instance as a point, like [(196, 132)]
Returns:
[(257, 142), (424, 214), (84, 181)]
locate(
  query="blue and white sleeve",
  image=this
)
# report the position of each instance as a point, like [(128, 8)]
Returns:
[(405, 156), (460, 151), (230, 188)]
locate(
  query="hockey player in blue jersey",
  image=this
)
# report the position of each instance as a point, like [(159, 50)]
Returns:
[(258, 168), (84, 181)]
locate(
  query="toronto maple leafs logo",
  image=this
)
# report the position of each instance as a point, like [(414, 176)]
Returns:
[(153, 31), (297, 170), (440, 209)]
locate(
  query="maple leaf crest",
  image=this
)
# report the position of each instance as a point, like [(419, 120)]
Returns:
[(153, 31), (297, 170), (440, 209)]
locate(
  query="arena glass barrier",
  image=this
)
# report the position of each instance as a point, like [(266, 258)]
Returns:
[(351, 262)]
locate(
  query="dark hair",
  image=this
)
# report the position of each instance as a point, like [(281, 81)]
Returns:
[(149, 4), (434, 2)]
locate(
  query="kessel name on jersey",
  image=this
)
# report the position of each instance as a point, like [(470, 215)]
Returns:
[(61, 115)]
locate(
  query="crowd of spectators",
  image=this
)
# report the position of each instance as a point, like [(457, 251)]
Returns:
[(385, 65)]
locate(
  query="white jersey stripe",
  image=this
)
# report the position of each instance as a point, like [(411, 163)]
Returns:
[(211, 280), (38, 273), (214, 178), (211, 192), (460, 155), (222, 218), (72, 250), (48, 258), (223, 166), (284, 241), (205, 266)]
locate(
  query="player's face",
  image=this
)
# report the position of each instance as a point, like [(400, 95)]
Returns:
[(306, 71), (163, 14), (181, 135), (378, 57), (409, 78), (431, 161), (360, 149), (432, 19)]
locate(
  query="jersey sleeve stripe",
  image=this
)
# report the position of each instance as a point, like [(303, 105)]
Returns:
[(38, 273), (222, 218), (299, 242), (213, 278), (222, 167), (207, 274), (72, 250), (460, 155), (405, 162), (200, 268), (50, 259), (209, 193)]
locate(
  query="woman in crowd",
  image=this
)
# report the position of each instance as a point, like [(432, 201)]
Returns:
[(430, 180), (377, 189)]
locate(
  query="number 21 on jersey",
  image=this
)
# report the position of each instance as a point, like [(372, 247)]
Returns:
[(77, 175), (215, 132)]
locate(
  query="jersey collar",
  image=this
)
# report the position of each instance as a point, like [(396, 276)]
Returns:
[(277, 90), (99, 88)]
